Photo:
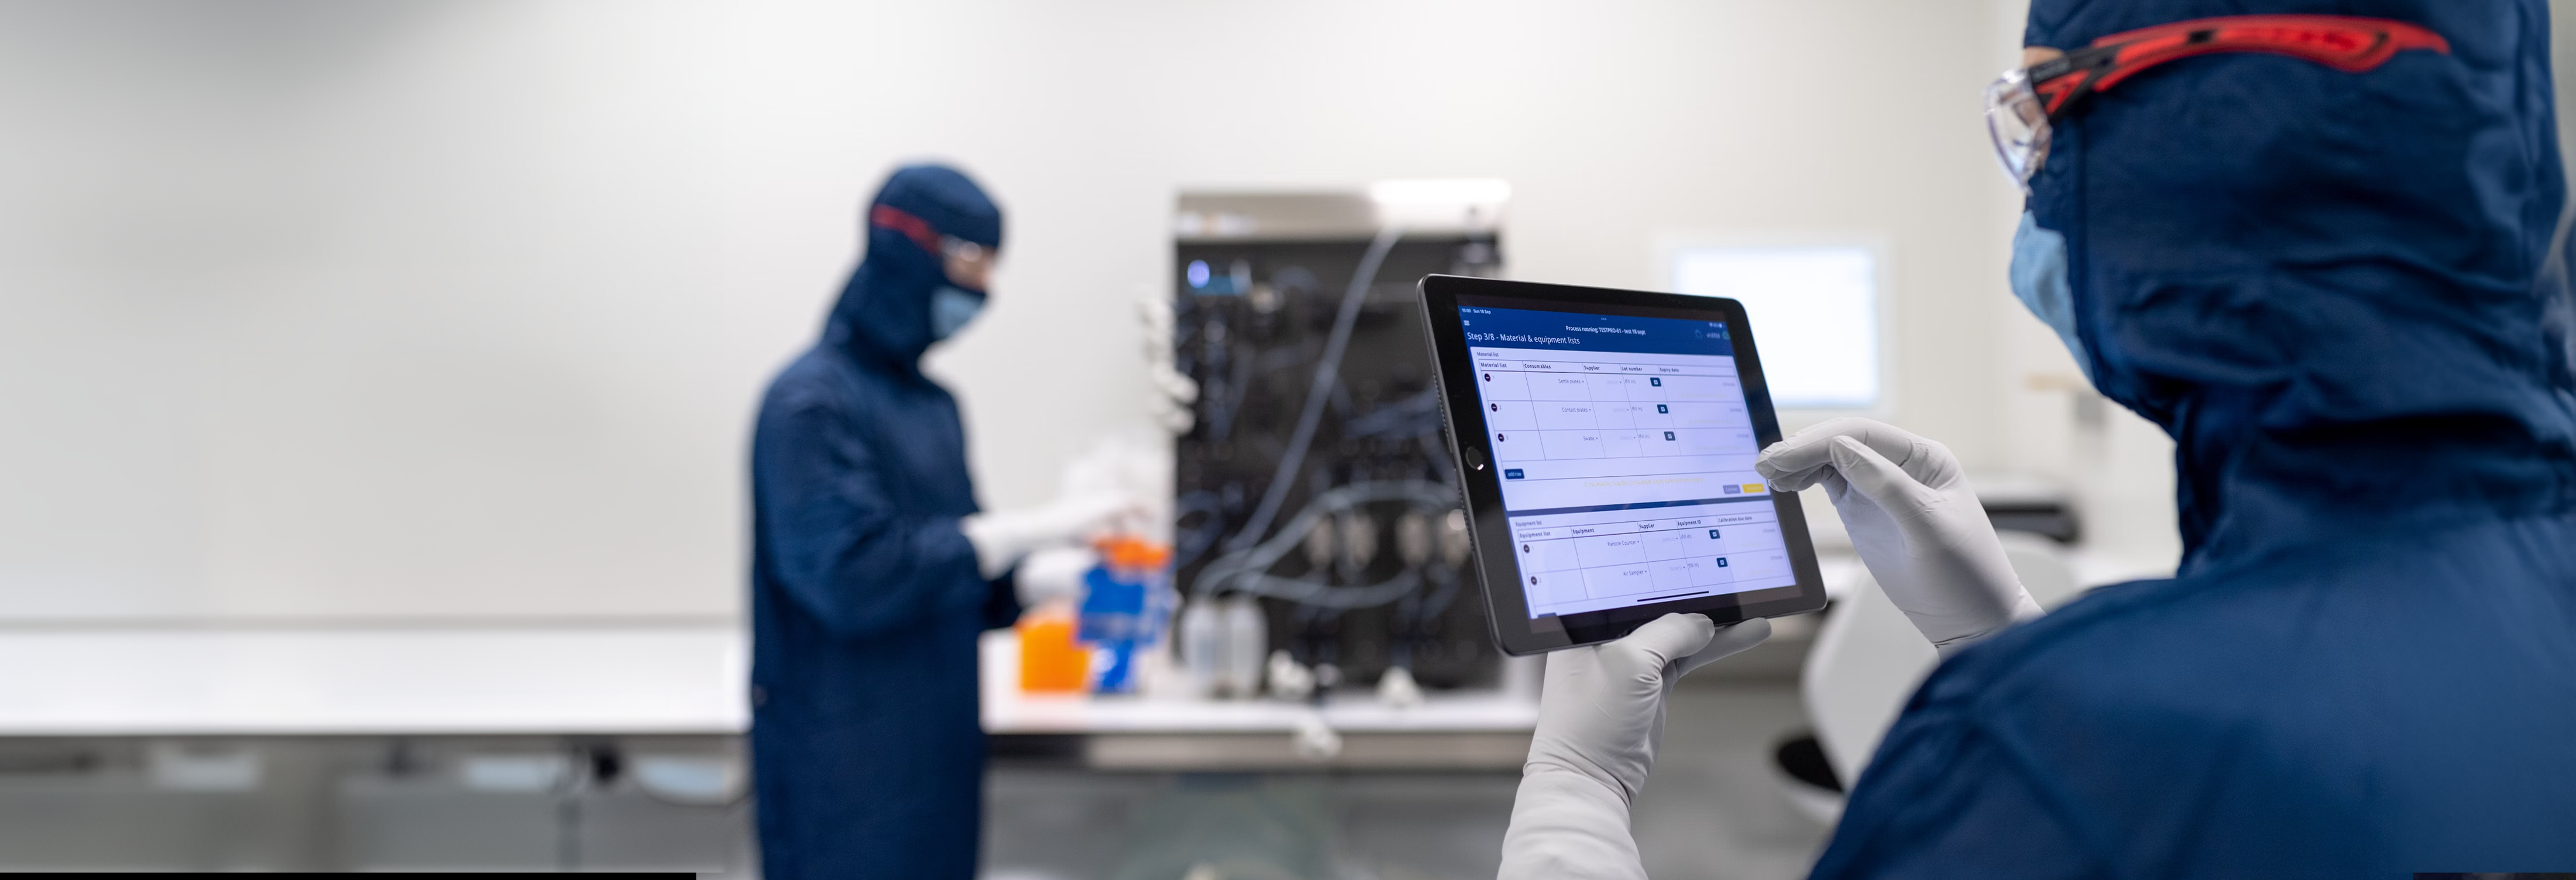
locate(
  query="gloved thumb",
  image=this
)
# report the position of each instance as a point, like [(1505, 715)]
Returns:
[(1872, 475), (1794, 464), (1806, 458), (1052, 573), (1730, 639), (1667, 639)]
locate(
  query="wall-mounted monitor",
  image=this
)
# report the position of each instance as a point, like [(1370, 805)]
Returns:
[(1818, 307)]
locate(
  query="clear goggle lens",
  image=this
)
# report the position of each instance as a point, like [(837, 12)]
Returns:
[(964, 251), (2019, 125)]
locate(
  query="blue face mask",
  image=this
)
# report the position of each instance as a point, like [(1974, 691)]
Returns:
[(951, 309), (2038, 276)]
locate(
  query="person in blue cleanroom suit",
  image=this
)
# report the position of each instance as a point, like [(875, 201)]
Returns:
[(2335, 288), (872, 570)]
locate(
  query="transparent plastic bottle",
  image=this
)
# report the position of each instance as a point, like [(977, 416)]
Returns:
[(1203, 645), (1247, 645)]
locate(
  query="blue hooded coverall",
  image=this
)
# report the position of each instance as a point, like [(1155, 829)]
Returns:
[(867, 750), (2321, 284)]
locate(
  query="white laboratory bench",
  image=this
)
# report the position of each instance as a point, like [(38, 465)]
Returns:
[(1461, 730), (372, 746), (677, 678), (380, 680), (108, 679)]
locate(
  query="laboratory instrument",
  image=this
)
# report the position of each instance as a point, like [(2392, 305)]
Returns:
[(1317, 514)]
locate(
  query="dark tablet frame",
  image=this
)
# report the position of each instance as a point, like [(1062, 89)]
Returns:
[(1506, 606)]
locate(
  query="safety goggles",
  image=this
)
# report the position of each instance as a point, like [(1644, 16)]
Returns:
[(929, 237), (2021, 106), (963, 258)]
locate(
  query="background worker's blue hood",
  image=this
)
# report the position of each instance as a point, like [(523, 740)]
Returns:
[(883, 317), (2322, 284)]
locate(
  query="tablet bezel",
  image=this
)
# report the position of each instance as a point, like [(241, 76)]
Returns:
[(1506, 606)]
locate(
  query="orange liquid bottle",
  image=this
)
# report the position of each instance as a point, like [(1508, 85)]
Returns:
[(1050, 660)]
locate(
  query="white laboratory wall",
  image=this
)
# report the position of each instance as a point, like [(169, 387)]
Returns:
[(2117, 466), (461, 309)]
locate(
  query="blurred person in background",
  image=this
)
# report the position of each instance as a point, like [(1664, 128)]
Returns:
[(873, 570), (2327, 256)]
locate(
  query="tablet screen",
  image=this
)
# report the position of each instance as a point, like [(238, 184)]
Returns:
[(1625, 448)]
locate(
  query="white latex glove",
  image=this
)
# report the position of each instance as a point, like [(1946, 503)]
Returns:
[(1051, 573), (1002, 538), (1600, 717), (1918, 527)]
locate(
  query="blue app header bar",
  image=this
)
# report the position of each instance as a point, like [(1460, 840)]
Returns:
[(1574, 331)]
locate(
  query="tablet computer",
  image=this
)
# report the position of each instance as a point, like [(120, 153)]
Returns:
[(1605, 444)]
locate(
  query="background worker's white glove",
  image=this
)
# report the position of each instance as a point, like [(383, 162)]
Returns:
[(1916, 524), (1051, 573), (1600, 717), (1001, 538)]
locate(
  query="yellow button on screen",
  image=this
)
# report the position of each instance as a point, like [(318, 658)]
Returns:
[(1752, 488)]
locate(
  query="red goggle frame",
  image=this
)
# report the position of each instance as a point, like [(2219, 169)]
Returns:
[(2344, 43)]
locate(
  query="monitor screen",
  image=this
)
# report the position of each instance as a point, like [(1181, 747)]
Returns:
[(1818, 307), (1626, 452)]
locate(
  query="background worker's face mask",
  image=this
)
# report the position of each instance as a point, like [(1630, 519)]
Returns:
[(2038, 276), (951, 309)]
